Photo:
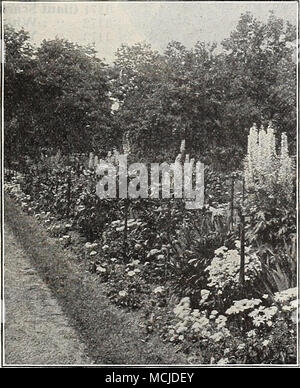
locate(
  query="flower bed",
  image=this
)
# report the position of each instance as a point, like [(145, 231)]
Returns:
[(217, 323)]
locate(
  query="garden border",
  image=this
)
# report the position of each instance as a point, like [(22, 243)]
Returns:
[(102, 326)]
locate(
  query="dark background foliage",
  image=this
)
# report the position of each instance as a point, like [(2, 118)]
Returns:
[(61, 96)]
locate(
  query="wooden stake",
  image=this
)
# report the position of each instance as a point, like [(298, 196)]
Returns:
[(242, 238)]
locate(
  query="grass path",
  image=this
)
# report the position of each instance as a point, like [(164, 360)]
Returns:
[(111, 335), (36, 329)]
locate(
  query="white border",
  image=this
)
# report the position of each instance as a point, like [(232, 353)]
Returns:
[(2, 353)]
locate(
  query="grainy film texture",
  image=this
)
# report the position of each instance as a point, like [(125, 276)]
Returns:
[(150, 174)]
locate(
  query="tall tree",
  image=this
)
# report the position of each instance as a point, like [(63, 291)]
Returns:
[(19, 92), (74, 108), (259, 63)]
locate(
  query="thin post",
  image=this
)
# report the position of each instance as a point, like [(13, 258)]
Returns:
[(232, 202), (68, 193), (242, 239), (126, 205)]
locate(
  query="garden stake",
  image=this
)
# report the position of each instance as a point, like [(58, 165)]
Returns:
[(68, 193), (126, 204), (242, 239), (231, 203)]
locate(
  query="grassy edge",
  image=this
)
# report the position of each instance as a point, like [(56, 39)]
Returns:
[(112, 336)]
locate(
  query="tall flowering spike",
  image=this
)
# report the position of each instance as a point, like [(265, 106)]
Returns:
[(264, 169), (284, 151), (248, 174), (253, 145), (285, 174), (270, 156), (261, 156), (91, 161), (250, 161), (182, 146), (127, 149), (178, 158), (271, 140), (96, 161), (116, 153)]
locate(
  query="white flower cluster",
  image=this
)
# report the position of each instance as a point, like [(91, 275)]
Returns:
[(263, 167), (91, 251), (285, 301), (288, 301), (263, 315), (132, 268), (94, 161), (14, 189), (286, 295), (240, 306), (286, 167), (119, 225), (224, 268), (193, 323), (160, 290), (259, 315)]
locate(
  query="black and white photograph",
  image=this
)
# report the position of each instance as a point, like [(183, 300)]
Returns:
[(149, 194)]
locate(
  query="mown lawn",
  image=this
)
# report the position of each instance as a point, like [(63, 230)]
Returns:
[(112, 336)]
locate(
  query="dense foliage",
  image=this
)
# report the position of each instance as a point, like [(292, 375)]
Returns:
[(158, 256), (59, 95), (219, 282)]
